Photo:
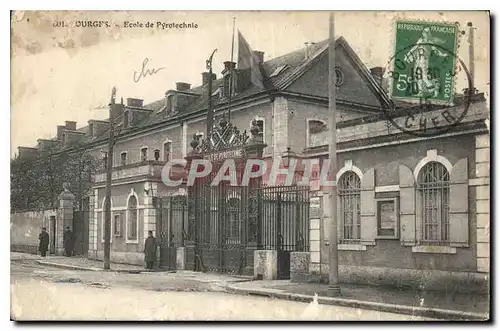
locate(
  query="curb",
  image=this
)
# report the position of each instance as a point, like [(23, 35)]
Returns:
[(351, 303), (67, 266), (75, 267)]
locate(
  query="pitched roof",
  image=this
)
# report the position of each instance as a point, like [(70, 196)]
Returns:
[(292, 64)]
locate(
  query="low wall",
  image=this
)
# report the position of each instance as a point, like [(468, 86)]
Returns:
[(25, 228)]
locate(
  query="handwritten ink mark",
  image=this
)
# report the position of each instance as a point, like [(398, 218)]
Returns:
[(145, 72)]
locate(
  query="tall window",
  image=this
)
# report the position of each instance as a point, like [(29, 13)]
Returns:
[(144, 154), (132, 218), (117, 225), (167, 150), (123, 158), (157, 155), (434, 190), (349, 190), (233, 220)]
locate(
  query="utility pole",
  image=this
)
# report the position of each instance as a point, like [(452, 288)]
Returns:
[(210, 112), (109, 173), (333, 274), (471, 57)]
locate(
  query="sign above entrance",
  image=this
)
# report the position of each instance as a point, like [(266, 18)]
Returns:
[(223, 155)]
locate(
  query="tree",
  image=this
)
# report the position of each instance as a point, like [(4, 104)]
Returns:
[(36, 183)]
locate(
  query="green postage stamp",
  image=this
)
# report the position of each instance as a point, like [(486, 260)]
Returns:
[(423, 62)]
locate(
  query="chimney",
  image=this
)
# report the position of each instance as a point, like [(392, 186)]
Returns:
[(306, 55), (133, 102), (60, 129), (205, 76), (70, 125), (377, 73), (259, 56), (180, 86)]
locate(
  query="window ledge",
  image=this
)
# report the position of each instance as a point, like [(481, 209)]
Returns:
[(351, 247), (434, 249), (381, 237)]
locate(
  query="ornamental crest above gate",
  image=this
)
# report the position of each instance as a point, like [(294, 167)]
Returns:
[(224, 136)]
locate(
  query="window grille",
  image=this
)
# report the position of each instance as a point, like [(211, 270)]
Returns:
[(349, 191), (434, 191)]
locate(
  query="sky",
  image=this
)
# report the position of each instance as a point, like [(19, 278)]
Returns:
[(67, 73)]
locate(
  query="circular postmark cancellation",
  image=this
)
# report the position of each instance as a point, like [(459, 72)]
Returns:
[(422, 74)]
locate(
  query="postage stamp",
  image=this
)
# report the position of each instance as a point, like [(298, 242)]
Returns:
[(423, 65)]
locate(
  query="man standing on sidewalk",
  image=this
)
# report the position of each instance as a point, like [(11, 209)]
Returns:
[(69, 241), (43, 247), (150, 250)]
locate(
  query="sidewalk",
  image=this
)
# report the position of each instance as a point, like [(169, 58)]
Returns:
[(74, 263), (442, 305)]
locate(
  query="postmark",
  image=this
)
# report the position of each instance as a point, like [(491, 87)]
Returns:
[(422, 74)]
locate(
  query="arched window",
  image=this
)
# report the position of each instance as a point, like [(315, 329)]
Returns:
[(132, 218), (349, 191), (233, 220), (434, 190)]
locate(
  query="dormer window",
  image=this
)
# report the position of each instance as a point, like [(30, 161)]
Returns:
[(227, 85), (126, 119), (169, 103)]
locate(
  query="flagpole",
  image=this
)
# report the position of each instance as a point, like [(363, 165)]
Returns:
[(333, 274), (231, 76), (210, 113)]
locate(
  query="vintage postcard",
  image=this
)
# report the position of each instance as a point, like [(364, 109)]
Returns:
[(270, 166)]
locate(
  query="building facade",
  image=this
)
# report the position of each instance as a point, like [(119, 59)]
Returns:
[(410, 207)]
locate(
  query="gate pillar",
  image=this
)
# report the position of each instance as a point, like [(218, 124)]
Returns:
[(265, 265), (187, 257), (66, 200)]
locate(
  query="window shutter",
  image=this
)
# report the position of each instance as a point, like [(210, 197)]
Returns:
[(368, 219), (459, 203), (407, 206)]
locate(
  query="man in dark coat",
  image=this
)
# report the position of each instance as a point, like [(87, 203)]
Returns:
[(43, 237), (69, 241), (150, 250)]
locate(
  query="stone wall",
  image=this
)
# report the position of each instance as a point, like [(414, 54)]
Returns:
[(26, 226)]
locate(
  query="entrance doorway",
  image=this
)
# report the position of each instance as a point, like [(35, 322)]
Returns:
[(52, 233)]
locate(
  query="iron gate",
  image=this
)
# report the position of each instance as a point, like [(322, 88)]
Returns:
[(171, 230), (284, 213), (221, 228)]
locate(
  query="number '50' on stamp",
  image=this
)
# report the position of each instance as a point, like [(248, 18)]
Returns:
[(423, 64)]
